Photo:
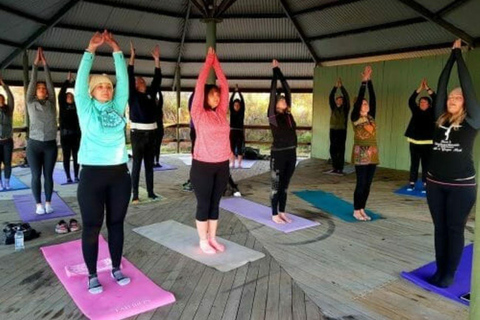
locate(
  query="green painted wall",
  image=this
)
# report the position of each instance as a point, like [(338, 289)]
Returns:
[(394, 82)]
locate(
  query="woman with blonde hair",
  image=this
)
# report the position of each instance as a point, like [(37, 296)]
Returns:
[(451, 185)]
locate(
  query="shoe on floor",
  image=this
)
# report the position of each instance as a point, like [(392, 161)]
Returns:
[(61, 227), (237, 194), (94, 286), (69, 180), (119, 277), (135, 201), (154, 197), (74, 225)]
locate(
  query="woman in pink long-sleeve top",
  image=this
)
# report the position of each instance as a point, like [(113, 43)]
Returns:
[(210, 171)]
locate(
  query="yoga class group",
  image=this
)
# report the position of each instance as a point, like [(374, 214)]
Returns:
[(92, 121)]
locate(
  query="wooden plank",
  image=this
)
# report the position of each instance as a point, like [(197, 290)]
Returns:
[(299, 311)]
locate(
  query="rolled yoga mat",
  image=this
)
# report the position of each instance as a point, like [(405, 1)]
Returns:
[(462, 282), (15, 184), (184, 239), (165, 167), (115, 302), (332, 204), (417, 192), (263, 214), (26, 207)]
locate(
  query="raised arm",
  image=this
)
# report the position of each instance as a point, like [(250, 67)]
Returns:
[(471, 103), (11, 100), (331, 98), (157, 74), (120, 97), (346, 99), (271, 115), (358, 103), (49, 83), (439, 107), (286, 87), (372, 99), (62, 95), (131, 71), (82, 94), (199, 96), (223, 105)]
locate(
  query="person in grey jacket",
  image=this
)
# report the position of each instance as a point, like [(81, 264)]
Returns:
[(42, 143), (6, 141)]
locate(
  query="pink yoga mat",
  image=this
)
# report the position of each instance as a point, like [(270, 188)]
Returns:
[(115, 302), (263, 214)]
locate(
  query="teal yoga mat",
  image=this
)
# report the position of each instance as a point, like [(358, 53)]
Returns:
[(332, 204)]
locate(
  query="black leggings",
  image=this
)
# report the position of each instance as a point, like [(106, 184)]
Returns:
[(237, 142), (365, 175), (419, 152), (209, 183), (103, 188), (143, 143), (70, 145), (6, 150), (337, 148), (41, 156), (159, 132), (193, 137), (449, 207), (282, 167)]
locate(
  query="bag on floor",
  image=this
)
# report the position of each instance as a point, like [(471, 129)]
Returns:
[(10, 228), (252, 154)]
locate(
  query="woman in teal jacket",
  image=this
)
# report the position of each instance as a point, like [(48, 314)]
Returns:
[(105, 180)]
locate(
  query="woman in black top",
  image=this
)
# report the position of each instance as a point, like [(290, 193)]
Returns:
[(69, 129), (284, 147), (420, 133), (237, 131), (6, 133), (451, 185)]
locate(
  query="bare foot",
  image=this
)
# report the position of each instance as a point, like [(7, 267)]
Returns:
[(206, 247), (366, 216), (284, 217), (357, 214), (216, 245), (278, 220)]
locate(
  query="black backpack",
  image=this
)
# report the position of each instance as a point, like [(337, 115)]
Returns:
[(10, 228)]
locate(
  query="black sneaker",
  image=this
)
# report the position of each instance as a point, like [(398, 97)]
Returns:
[(69, 180), (94, 286), (188, 186), (153, 197), (411, 187), (119, 277), (157, 165), (77, 180)]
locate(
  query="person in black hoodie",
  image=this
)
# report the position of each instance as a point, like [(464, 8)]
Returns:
[(419, 133), (451, 184), (143, 108), (284, 147), (69, 129), (237, 131), (340, 107)]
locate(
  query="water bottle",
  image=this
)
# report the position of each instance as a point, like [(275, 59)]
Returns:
[(19, 244)]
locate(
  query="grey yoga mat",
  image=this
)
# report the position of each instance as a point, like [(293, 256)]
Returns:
[(184, 239)]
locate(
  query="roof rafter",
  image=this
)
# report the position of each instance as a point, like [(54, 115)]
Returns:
[(455, 4), (300, 32), (51, 22), (180, 48)]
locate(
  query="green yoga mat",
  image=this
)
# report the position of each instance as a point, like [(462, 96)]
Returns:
[(332, 204)]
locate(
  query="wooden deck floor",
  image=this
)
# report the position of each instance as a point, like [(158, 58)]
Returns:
[(334, 271)]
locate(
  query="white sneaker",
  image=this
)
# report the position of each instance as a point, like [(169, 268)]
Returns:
[(237, 194), (48, 208), (40, 210)]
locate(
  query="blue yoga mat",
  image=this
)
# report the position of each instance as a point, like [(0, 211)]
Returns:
[(417, 192), (461, 285), (15, 184), (332, 204)]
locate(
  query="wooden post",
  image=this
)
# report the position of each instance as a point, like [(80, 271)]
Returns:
[(179, 91)]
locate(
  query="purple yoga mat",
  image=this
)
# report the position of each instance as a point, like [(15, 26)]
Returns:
[(462, 278), (165, 167), (263, 214), (60, 177), (26, 206)]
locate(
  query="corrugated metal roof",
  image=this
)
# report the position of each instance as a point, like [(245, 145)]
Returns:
[(43, 9), (353, 16), (254, 84), (467, 18), (249, 51), (395, 38), (99, 14), (15, 28), (103, 16), (246, 29)]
